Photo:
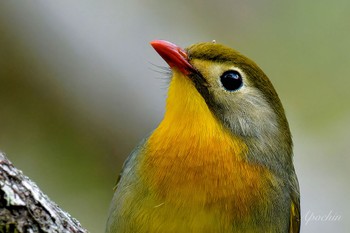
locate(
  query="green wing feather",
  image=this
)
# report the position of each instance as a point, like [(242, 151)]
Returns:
[(294, 223)]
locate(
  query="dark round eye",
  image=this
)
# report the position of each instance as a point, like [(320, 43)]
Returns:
[(231, 80)]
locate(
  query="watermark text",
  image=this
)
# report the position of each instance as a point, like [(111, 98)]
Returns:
[(326, 217)]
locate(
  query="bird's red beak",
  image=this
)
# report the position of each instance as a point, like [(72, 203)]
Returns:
[(175, 56)]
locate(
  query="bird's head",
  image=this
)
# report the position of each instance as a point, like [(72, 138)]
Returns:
[(235, 90)]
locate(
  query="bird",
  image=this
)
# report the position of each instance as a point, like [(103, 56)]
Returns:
[(221, 159)]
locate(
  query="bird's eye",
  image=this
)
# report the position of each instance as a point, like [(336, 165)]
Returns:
[(231, 80)]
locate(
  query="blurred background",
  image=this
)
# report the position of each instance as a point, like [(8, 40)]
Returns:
[(78, 89)]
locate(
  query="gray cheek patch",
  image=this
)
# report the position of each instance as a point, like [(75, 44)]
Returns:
[(247, 113)]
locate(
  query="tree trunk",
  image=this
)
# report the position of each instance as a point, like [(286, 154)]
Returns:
[(25, 208)]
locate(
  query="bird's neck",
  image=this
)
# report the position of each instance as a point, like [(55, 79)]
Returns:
[(189, 130), (191, 150)]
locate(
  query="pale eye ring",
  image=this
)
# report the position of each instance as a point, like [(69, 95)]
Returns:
[(231, 80)]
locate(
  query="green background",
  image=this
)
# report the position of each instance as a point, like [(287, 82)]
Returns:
[(79, 88)]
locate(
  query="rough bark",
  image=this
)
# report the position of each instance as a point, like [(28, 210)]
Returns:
[(25, 208)]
